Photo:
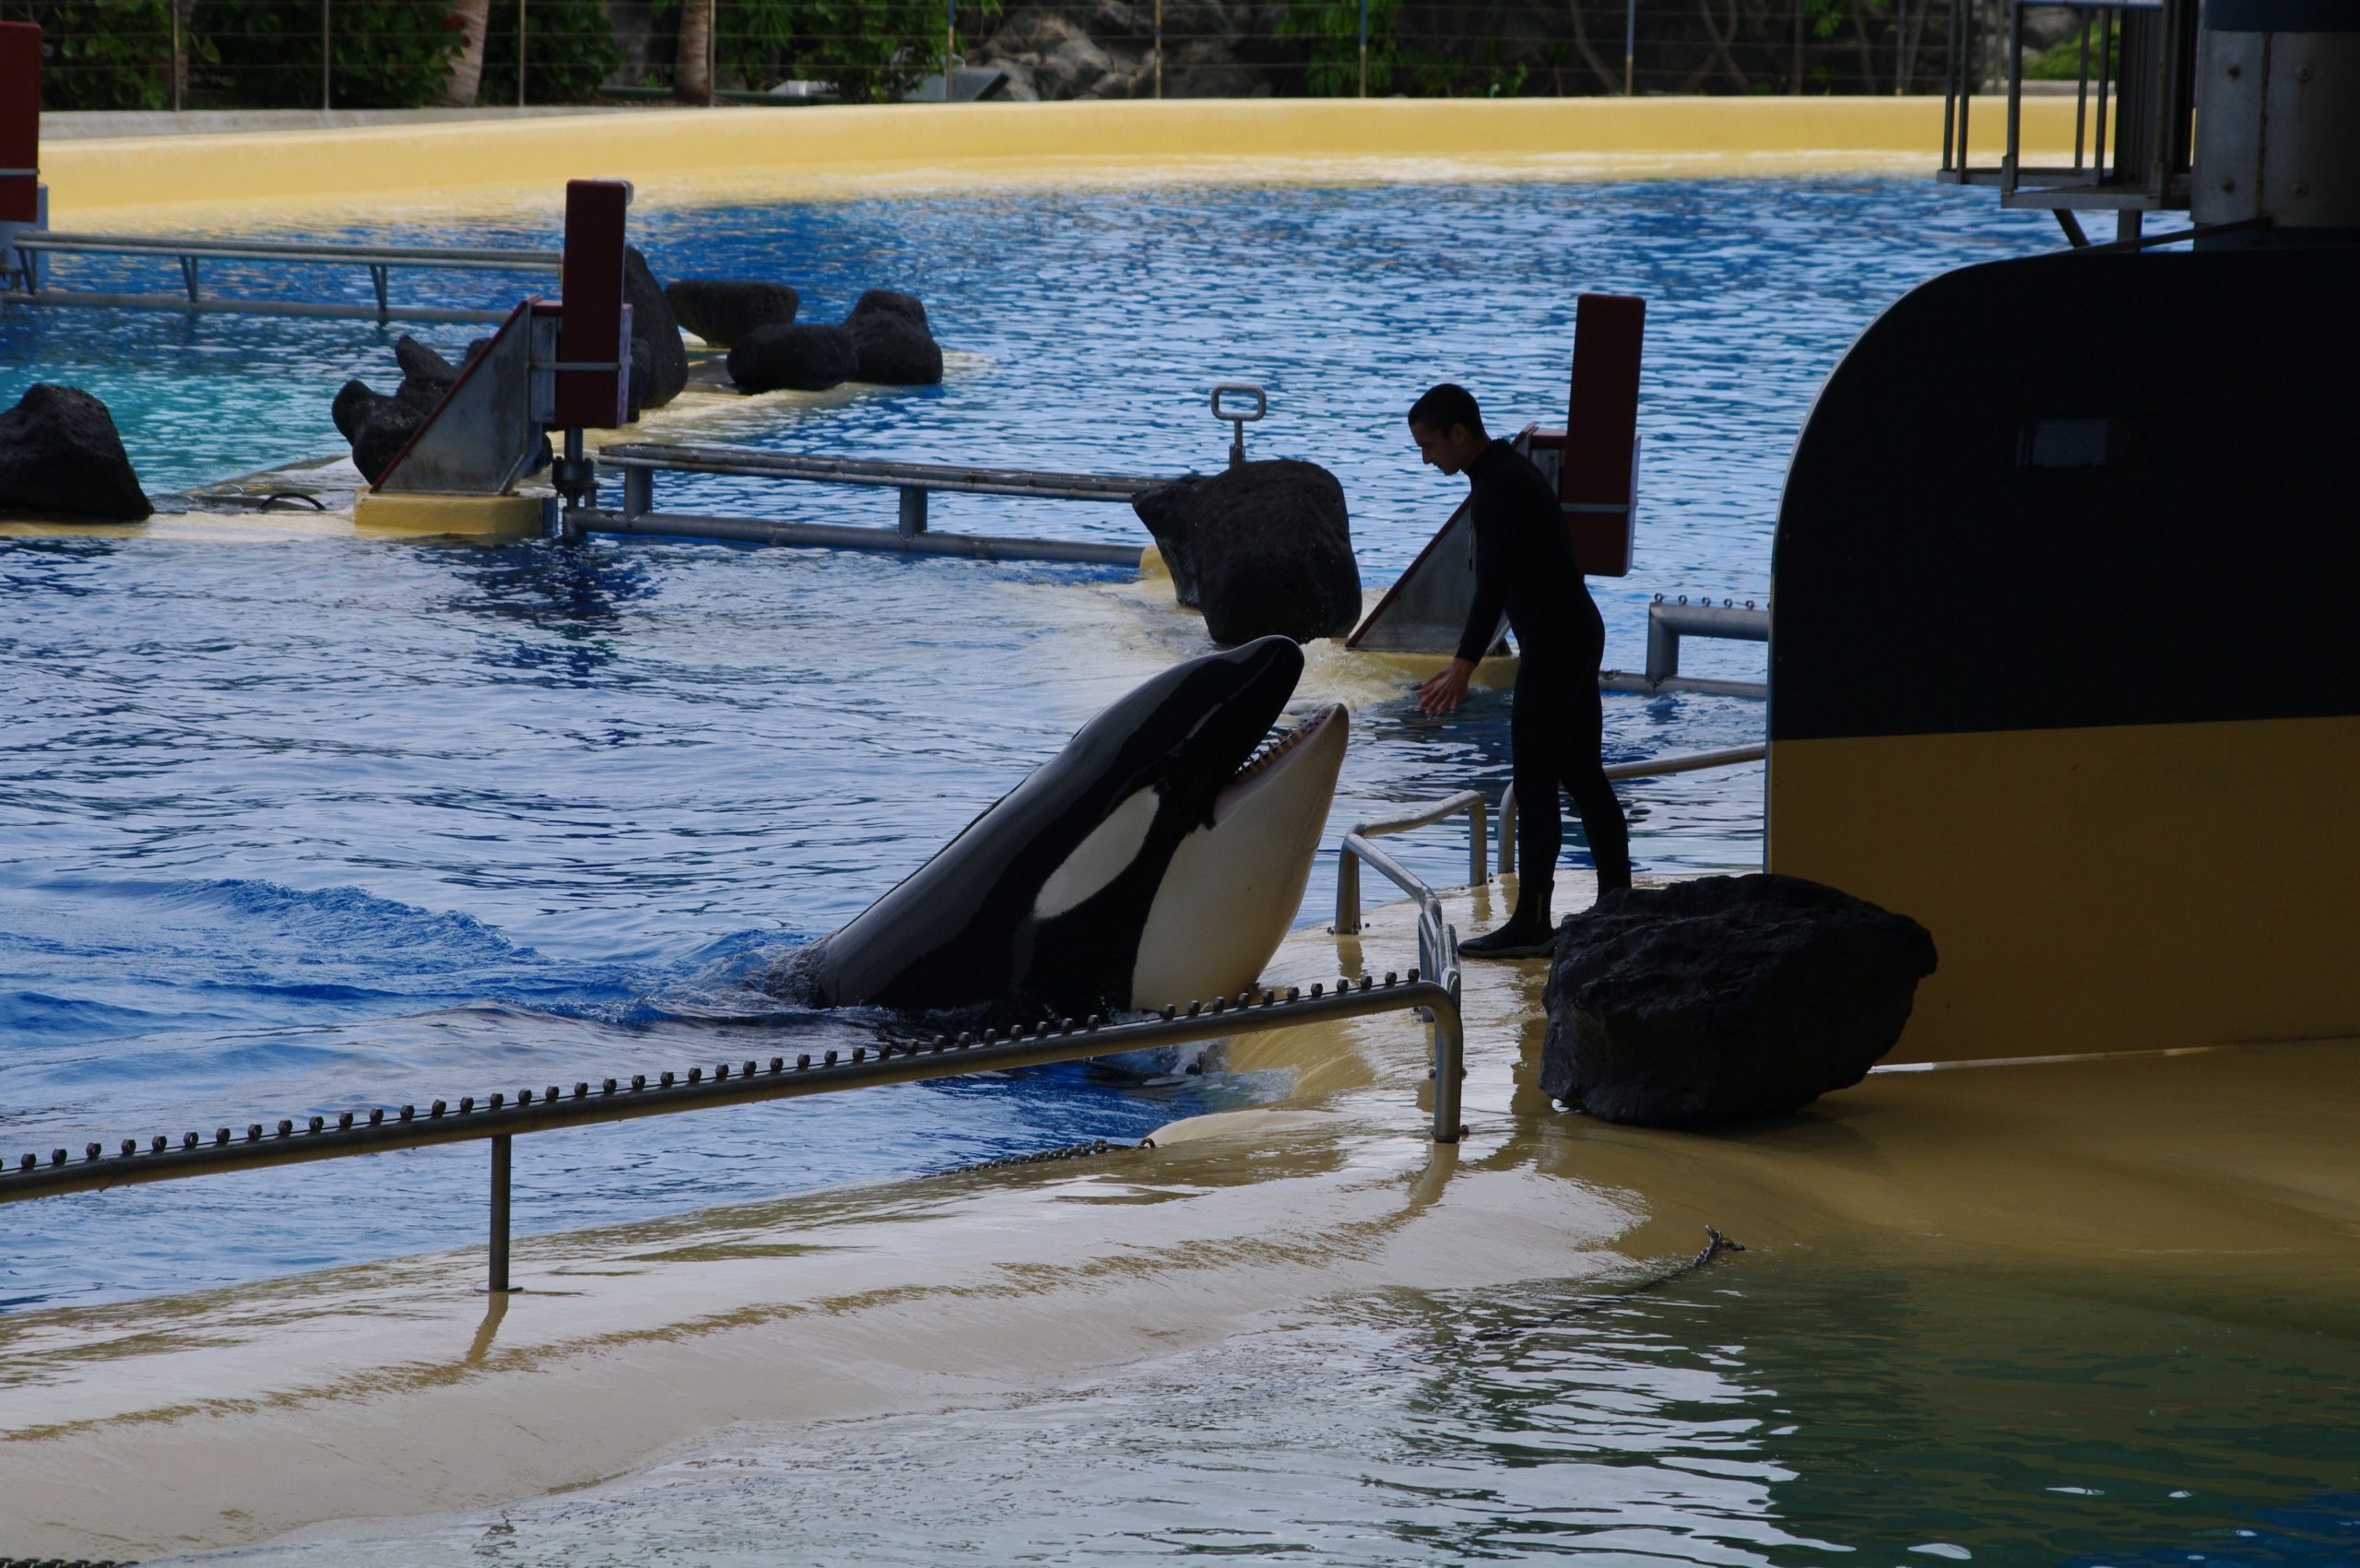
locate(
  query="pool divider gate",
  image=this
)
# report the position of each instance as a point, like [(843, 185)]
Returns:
[(562, 365)]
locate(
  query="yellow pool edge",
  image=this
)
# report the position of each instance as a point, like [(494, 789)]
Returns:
[(689, 155)]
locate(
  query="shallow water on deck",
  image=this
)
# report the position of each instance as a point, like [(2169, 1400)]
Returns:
[(1771, 1412), (294, 827)]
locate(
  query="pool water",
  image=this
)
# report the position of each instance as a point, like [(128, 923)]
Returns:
[(291, 825)]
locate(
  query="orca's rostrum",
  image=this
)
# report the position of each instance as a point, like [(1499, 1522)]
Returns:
[(1162, 855)]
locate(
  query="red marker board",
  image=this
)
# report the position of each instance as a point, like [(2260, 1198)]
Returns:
[(592, 333), (1599, 484), (19, 122)]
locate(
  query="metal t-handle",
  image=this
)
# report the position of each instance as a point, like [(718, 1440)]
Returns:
[(1238, 420)]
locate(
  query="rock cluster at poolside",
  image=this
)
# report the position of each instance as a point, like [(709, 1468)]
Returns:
[(885, 340), (61, 456), (1724, 998), (725, 311), (1264, 548)]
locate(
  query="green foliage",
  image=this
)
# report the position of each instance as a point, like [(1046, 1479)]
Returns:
[(383, 53), (569, 49), (2062, 61), (869, 50), (104, 53), (1332, 30)]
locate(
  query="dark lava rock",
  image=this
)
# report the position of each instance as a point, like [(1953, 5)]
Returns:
[(1261, 549), (803, 359), (652, 322), (1725, 997), (379, 426), (60, 455), (420, 363), (723, 310), (896, 347)]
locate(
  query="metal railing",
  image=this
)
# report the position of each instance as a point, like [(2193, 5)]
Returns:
[(1356, 848), (33, 245), (1431, 990), (1668, 622), (1653, 767), (640, 462)]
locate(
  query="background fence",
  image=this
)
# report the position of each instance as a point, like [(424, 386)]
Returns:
[(153, 54)]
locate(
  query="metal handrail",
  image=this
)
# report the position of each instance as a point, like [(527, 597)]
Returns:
[(462, 258), (1437, 944), (1649, 768), (1356, 848)]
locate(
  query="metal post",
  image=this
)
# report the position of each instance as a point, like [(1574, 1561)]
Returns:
[(1363, 48), (1507, 830), (1631, 41), (1159, 48), (949, 42), (1477, 842), (497, 1281), (520, 53), (639, 491), (327, 95), (912, 510), (1348, 891), (713, 54), (1450, 1055)]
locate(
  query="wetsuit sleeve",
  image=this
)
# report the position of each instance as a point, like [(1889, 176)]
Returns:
[(1491, 580)]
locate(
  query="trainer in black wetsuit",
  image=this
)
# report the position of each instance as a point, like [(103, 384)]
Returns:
[(1525, 567)]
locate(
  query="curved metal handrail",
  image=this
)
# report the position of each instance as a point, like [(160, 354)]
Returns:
[(1348, 870), (1648, 768)]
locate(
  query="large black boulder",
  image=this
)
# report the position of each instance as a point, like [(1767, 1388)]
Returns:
[(806, 357), (723, 310), (1725, 997), (1262, 548), (60, 455), (652, 322), (895, 345)]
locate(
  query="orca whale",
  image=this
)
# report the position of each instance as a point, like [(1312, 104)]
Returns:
[(1162, 855)]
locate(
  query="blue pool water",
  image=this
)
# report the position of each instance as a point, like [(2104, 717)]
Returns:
[(289, 827)]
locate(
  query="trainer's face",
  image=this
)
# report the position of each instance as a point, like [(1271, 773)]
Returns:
[(1443, 449)]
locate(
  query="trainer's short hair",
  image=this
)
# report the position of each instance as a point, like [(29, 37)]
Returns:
[(1445, 406)]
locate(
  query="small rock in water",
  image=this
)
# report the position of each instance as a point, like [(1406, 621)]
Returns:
[(723, 310), (1725, 997), (799, 359), (61, 455), (1262, 549), (652, 322), (895, 345)]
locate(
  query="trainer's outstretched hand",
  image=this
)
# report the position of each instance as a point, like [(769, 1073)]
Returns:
[(1445, 692)]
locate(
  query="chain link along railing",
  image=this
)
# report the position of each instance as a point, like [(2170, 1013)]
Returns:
[(351, 54)]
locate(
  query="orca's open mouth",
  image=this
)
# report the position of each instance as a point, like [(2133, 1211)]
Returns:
[(1272, 756)]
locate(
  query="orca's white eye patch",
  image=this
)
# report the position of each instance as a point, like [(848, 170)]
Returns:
[(1110, 849)]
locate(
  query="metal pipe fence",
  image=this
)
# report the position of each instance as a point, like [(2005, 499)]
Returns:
[(1431, 990), (345, 54)]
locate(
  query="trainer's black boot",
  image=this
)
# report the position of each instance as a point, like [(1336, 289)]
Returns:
[(1523, 936)]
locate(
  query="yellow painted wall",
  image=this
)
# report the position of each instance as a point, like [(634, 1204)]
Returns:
[(2125, 888), (728, 154)]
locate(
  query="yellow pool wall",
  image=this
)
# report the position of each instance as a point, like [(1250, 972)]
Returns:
[(689, 155)]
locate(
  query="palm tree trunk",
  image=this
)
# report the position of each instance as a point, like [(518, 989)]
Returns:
[(692, 68), (469, 19)]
